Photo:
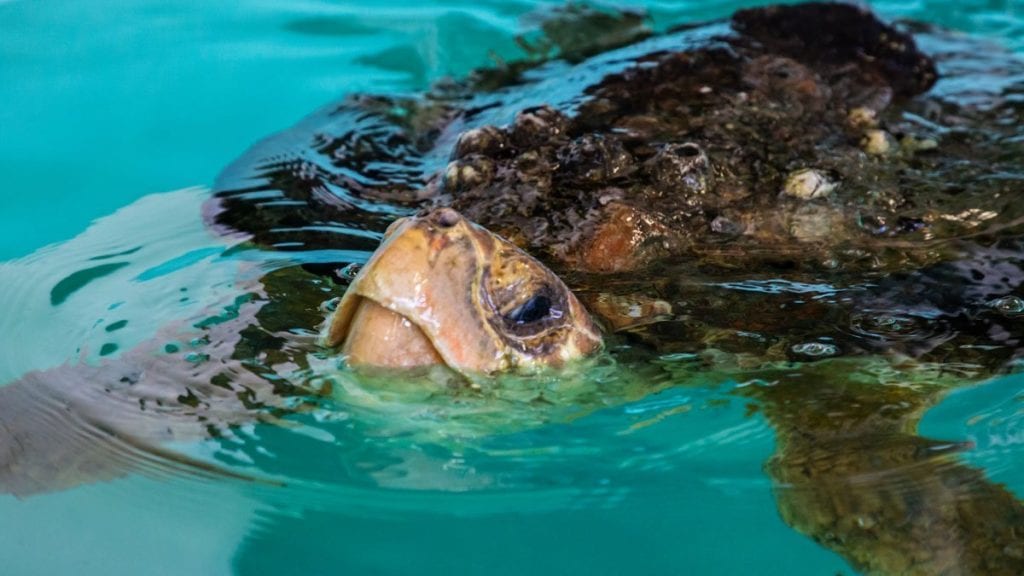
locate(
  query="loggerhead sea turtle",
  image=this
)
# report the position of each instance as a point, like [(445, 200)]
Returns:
[(784, 142), (674, 181)]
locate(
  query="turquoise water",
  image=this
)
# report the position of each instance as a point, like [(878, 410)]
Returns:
[(107, 108)]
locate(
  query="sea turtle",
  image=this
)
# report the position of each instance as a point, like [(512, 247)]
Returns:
[(673, 181), (753, 198)]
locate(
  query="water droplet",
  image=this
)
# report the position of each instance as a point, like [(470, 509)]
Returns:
[(679, 357), (758, 382), (349, 271), (196, 358), (887, 327), (889, 323), (815, 349), (1009, 305), (330, 305)]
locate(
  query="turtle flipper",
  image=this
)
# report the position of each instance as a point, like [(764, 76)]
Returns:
[(851, 472), (80, 423), (899, 504), (50, 441), (45, 445)]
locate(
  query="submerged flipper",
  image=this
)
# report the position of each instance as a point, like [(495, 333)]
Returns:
[(78, 423), (45, 445), (851, 472)]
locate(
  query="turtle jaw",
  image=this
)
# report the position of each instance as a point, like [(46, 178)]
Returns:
[(377, 336)]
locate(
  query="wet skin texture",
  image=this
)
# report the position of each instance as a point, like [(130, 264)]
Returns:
[(790, 142)]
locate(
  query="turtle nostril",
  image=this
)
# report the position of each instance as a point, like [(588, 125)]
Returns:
[(446, 217)]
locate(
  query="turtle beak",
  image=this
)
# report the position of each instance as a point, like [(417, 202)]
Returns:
[(412, 303), (371, 334)]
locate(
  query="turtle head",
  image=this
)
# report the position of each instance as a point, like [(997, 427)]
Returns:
[(442, 290)]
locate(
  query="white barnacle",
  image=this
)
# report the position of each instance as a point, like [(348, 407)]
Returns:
[(878, 142), (808, 183), (862, 117)]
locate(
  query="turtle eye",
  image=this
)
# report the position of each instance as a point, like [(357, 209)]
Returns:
[(536, 308)]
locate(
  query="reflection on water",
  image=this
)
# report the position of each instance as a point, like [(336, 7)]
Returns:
[(192, 360)]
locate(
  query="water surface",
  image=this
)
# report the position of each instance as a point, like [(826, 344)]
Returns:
[(107, 108)]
